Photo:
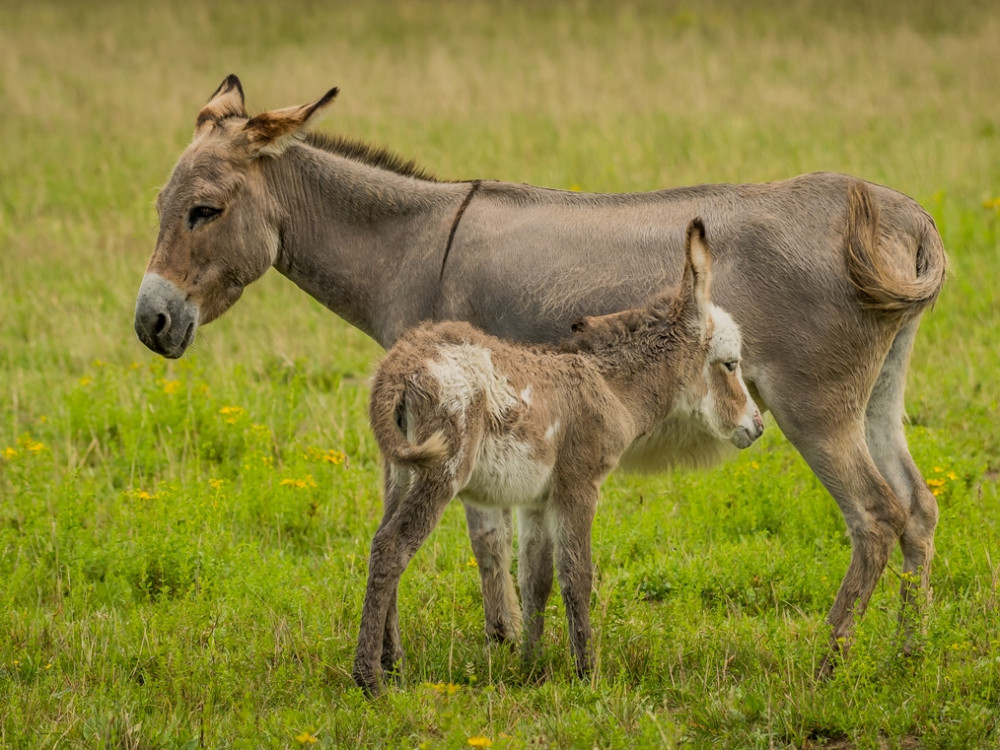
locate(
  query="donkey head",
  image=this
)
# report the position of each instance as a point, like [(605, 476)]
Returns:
[(717, 398), (219, 229)]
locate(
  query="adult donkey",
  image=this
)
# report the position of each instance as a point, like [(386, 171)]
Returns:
[(826, 275)]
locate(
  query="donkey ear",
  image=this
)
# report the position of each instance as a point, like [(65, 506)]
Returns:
[(698, 271), (272, 132), (227, 101)]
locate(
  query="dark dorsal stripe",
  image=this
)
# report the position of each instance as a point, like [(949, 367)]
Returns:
[(454, 224)]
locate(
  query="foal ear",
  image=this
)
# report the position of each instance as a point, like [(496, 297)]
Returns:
[(697, 271), (227, 101), (272, 132)]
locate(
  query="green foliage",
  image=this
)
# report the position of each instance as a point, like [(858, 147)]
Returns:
[(183, 545)]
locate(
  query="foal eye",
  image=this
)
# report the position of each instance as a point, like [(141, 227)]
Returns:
[(731, 366), (200, 214)]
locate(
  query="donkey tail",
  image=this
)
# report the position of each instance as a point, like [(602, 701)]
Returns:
[(387, 413), (880, 286)]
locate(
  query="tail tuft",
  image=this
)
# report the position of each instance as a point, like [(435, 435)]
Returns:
[(431, 452), (387, 414), (879, 286)]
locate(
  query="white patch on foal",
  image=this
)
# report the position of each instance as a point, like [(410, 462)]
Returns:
[(465, 370), (504, 473)]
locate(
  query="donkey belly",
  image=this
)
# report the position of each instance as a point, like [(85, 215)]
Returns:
[(506, 473)]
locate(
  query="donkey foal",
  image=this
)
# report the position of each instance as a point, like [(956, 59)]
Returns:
[(458, 412)]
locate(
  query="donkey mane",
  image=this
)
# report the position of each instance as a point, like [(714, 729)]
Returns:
[(375, 156)]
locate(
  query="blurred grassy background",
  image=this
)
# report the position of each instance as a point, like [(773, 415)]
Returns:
[(162, 582)]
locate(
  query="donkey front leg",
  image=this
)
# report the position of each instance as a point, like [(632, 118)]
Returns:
[(491, 532), (393, 546)]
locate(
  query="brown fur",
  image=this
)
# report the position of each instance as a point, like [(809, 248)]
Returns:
[(827, 276), (457, 411)]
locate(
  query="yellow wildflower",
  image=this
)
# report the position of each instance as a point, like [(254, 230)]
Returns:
[(471, 563), (9, 453), (334, 457), (32, 446), (480, 741), (442, 688), (215, 483), (992, 203), (306, 739), (171, 387), (232, 413), (86, 381), (307, 481)]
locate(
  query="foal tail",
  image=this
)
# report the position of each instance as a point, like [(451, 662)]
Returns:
[(388, 416), (880, 286)]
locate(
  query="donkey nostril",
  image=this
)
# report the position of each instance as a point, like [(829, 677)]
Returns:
[(162, 323)]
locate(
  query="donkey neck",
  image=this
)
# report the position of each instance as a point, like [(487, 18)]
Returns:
[(362, 240)]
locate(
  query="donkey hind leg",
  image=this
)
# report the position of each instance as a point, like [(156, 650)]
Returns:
[(574, 519), (887, 444), (398, 537), (534, 572), (492, 534), (874, 516)]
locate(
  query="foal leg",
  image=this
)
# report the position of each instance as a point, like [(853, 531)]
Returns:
[(397, 539), (887, 443), (574, 519), (534, 573), (492, 535), (396, 481)]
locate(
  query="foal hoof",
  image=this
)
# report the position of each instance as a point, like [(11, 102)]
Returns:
[(503, 633), (368, 682), (826, 667)]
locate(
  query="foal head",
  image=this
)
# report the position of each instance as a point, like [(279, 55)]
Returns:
[(704, 346)]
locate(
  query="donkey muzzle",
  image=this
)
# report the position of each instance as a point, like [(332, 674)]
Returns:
[(165, 320)]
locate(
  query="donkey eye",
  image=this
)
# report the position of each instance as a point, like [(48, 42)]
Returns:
[(731, 366), (200, 214)]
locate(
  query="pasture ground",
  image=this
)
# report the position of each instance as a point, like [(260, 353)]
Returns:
[(183, 545)]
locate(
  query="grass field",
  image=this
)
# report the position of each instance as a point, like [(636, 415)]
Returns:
[(183, 545)]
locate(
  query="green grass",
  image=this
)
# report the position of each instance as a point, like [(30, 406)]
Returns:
[(183, 545)]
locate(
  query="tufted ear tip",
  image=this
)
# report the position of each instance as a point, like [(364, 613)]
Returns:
[(227, 101), (272, 132)]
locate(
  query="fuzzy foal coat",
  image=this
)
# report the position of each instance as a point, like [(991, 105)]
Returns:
[(457, 411)]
